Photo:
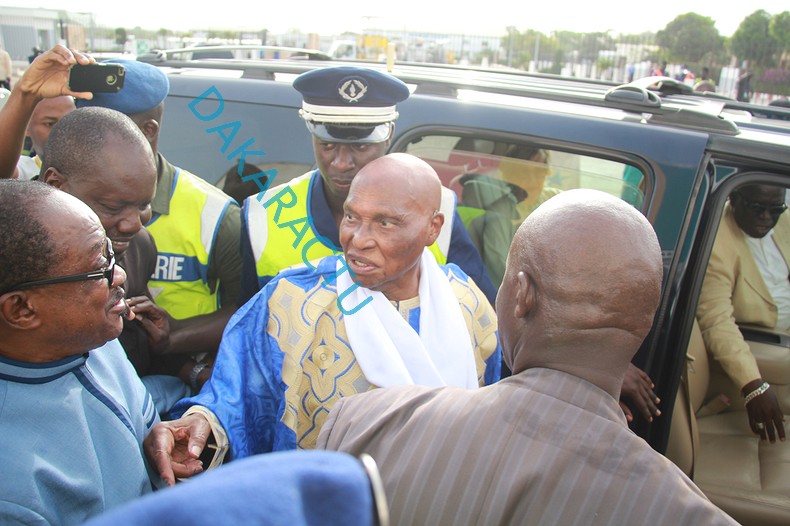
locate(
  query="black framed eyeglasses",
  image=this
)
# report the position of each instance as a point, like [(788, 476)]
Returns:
[(107, 273), (759, 208)]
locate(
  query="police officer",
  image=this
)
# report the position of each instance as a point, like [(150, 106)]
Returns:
[(350, 112), (195, 226)]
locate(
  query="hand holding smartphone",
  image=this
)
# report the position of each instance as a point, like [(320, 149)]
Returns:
[(96, 78)]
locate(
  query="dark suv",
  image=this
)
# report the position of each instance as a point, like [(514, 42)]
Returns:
[(505, 142)]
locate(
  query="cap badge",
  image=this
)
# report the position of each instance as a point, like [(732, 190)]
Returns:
[(352, 90)]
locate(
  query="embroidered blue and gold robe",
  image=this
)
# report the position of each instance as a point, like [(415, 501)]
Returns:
[(285, 359)]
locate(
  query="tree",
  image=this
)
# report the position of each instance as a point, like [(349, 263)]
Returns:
[(753, 41), (637, 39), (604, 66), (522, 46), (485, 53), (690, 37), (585, 47), (779, 28), (591, 45)]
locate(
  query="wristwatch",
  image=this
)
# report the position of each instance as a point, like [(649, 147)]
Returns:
[(193, 374)]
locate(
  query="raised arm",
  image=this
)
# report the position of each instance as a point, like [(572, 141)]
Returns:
[(47, 76)]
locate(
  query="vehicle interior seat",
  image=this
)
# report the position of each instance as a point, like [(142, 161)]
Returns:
[(710, 441), (477, 155)]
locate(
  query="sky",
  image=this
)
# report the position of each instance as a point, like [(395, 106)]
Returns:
[(490, 17)]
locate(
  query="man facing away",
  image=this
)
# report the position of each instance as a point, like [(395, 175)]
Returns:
[(73, 414), (312, 336), (350, 113), (548, 445)]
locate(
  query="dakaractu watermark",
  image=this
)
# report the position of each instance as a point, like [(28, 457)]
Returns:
[(209, 106)]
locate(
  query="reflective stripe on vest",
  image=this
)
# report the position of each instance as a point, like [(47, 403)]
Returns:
[(441, 247), (184, 239), (278, 226)]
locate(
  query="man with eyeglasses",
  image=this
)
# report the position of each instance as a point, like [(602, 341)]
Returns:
[(747, 282), (73, 414), (100, 156)]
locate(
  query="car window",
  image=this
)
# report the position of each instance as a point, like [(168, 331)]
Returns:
[(499, 183), (210, 140)]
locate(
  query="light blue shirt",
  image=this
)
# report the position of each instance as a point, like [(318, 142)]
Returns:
[(72, 433)]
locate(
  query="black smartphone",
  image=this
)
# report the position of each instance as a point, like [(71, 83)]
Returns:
[(96, 78)]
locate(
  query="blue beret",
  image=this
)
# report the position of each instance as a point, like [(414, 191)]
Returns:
[(350, 104), (144, 87)]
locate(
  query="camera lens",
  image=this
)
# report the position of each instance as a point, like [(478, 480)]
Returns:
[(111, 79)]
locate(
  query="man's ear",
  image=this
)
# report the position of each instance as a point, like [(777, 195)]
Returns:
[(526, 295), (437, 221), (150, 128), (54, 178), (17, 311)]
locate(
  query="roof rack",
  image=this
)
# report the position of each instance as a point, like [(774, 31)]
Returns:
[(158, 56), (658, 100), (645, 95)]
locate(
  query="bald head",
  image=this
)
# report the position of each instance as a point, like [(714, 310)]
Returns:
[(78, 144), (390, 216), (101, 157), (581, 286), (401, 175)]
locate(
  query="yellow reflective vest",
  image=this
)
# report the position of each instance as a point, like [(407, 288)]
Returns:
[(282, 234), (468, 214), (184, 239)]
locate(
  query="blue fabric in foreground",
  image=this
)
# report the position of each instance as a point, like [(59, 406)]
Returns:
[(297, 488)]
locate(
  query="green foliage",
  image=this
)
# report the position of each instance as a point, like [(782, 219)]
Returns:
[(753, 40), (558, 46), (640, 38), (520, 47), (228, 34), (690, 37), (603, 64), (486, 53), (585, 46), (779, 28)]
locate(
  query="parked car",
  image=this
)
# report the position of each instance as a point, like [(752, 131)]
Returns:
[(505, 142)]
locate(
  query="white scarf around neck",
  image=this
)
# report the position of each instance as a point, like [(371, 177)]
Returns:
[(389, 350)]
